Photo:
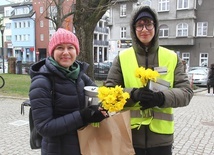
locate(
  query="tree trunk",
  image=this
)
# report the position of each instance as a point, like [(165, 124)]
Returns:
[(85, 36)]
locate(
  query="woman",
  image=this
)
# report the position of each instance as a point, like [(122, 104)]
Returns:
[(58, 113)]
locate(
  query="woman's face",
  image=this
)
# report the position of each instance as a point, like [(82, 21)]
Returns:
[(145, 31), (65, 55)]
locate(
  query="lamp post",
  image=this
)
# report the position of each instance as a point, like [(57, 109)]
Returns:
[(2, 40)]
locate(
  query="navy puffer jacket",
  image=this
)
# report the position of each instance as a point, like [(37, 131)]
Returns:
[(57, 124)]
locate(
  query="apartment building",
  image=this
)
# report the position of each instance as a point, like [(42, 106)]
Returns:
[(22, 20), (184, 26), (31, 24), (44, 27), (101, 43)]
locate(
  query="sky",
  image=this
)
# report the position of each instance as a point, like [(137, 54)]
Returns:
[(4, 2)]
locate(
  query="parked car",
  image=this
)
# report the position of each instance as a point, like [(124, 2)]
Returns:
[(198, 76), (101, 70), (199, 67)]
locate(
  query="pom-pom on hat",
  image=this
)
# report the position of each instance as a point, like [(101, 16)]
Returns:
[(63, 36), (144, 14)]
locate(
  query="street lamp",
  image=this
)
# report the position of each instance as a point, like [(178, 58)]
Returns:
[(2, 40)]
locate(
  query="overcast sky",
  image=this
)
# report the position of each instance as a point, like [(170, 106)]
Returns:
[(4, 2)]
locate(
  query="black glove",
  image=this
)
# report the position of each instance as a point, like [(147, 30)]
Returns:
[(147, 98), (91, 114)]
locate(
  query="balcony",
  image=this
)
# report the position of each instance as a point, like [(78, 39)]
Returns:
[(102, 30), (177, 41), (28, 15), (101, 43)]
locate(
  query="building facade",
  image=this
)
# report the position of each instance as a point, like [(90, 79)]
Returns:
[(101, 40), (184, 26), (23, 32), (40, 29), (45, 27)]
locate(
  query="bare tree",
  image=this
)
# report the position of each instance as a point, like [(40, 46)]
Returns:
[(58, 11), (86, 14)]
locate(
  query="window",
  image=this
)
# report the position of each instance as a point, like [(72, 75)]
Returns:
[(95, 36), (20, 25), (26, 10), (203, 59), (100, 24), (18, 37), (8, 37), (24, 24), (41, 24), (41, 9), (7, 13), (23, 37), (28, 24), (182, 30), (182, 4), (186, 57), (51, 25), (100, 37), (164, 31), (146, 3), (53, 11), (202, 28), (28, 37), (122, 10), (42, 37), (105, 37), (18, 11), (163, 5), (7, 25), (123, 32)]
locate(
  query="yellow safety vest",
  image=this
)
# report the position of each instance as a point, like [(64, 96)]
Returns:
[(160, 120)]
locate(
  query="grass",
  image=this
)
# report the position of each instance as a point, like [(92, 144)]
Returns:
[(17, 85)]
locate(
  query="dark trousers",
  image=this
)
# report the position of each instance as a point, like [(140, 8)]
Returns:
[(209, 87), (162, 150)]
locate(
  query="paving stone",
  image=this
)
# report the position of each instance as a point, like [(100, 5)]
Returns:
[(194, 127)]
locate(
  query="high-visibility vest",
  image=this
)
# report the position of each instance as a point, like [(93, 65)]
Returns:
[(160, 120)]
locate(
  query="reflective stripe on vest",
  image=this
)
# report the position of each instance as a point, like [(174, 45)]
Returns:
[(154, 114), (160, 120)]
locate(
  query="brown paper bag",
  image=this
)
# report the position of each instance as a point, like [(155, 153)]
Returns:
[(112, 137)]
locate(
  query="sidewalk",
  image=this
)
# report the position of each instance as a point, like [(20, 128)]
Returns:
[(194, 127)]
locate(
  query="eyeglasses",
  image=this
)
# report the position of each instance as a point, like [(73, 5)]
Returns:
[(148, 26)]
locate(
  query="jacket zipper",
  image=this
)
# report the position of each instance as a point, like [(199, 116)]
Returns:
[(147, 63)]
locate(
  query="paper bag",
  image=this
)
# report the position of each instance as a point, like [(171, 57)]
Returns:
[(112, 137)]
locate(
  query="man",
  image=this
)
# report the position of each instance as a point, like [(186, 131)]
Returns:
[(152, 134)]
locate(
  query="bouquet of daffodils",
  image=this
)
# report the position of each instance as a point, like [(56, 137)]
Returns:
[(146, 75), (112, 99)]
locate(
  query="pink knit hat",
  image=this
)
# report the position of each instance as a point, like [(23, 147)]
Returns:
[(63, 36)]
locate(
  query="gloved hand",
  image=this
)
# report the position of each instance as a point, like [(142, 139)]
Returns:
[(91, 114), (147, 98)]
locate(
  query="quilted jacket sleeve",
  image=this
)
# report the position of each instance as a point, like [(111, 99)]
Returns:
[(43, 113)]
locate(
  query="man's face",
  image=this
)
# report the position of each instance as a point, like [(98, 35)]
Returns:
[(145, 31)]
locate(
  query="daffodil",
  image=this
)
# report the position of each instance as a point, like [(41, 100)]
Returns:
[(113, 99), (145, 75)]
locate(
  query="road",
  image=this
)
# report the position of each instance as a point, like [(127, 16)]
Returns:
[(194, 127)]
